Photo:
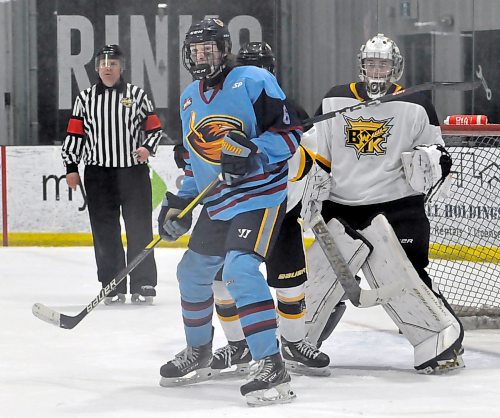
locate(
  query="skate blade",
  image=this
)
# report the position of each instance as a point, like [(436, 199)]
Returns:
[(195, 376), (120, 300), (302, 369), (277, 395), (238, 370), (141, 300), (444, 366)]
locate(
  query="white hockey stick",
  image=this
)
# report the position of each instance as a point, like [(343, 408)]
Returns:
[(362, 298)]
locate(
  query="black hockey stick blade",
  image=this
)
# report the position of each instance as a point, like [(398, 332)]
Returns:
[(445, 85), (69, 322), (362, 298)]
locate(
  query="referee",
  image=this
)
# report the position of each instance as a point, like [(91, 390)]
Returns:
[(114, 129)]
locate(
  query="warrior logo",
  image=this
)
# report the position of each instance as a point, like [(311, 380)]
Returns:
[(205, 137), (243, 232), (367, 137)]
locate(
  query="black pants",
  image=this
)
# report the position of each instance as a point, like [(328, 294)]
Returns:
[(286, 265), (109, 191), (406, 216)]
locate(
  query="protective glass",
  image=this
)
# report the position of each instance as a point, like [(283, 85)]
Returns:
[(109, 61)]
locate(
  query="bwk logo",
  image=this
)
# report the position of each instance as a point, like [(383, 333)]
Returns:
[(367, 136), (243, 233)]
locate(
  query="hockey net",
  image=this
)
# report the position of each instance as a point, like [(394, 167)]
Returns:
[(465, 228)]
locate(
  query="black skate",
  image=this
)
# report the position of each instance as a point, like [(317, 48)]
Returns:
[(270, 384), (302, 357), (145, 296), (232, 360), (191, 365), (451, 358), (447, 361)]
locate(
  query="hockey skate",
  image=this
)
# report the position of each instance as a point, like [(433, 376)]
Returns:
[(145, 296), (447, 361), (231, 360), (302, 357), (119, 298), (270, 383), (191, 365)]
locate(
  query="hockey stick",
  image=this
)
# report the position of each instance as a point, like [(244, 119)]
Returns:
[(69, 322), (362, 298), (440, 188), (446, 85)]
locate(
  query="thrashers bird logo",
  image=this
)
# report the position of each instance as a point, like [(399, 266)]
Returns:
[(206, 137), (367, 137)]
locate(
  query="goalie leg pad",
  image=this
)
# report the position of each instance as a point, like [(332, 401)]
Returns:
[(427, 321), (323, 291)]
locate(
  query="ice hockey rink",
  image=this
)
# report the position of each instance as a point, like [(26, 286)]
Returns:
[(108, 365)]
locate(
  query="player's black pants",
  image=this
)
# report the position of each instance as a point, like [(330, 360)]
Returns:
[(109, 191), (406, 216)]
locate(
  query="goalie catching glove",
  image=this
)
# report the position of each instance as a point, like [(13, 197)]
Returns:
[(237, 150), (170, 227), (425, 166)]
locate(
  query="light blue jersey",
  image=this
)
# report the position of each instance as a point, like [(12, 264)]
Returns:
[(249, 100)]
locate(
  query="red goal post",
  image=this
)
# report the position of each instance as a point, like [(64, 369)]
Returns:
[(465, 228)]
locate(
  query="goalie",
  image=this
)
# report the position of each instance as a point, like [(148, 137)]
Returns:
[(379, 163)]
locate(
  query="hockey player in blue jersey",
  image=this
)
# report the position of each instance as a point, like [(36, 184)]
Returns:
[(285, 267), (236, 123)]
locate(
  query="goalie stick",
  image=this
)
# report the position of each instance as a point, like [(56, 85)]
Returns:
[(446, 85), (362, 298), (442, 187), (69, 322)]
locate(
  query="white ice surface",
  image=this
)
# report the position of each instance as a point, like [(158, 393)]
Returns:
[(108, 365)]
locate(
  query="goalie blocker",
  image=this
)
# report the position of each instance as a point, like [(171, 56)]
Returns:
[(424, 318)]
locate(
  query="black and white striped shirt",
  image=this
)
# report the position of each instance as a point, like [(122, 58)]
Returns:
[(108, 124)]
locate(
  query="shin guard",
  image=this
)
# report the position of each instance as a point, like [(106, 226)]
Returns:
[(425, 319)]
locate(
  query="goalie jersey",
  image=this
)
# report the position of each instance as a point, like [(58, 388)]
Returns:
[(362, 149), (249, 100)]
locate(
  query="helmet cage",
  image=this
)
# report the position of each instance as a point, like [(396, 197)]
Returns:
[(205, 31), (258, 54), (380, 48)]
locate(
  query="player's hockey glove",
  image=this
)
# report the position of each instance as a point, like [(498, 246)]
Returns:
[(179, 153), (237, 152), (170, 227)]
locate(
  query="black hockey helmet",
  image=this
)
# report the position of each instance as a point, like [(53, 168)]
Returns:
[(204, 31), (259, 54), (109, 52)]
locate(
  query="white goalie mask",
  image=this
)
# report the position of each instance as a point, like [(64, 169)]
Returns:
[(380, 63)]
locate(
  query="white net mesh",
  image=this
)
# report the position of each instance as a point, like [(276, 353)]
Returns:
[(465, 228)]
